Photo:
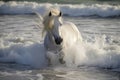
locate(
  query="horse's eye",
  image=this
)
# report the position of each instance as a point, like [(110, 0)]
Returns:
[(50, 14), (60, 14)]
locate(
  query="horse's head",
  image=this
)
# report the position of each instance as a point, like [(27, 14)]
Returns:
[(52, 23)]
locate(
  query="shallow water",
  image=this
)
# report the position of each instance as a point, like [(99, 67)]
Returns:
[(22, 51), (20, 72)]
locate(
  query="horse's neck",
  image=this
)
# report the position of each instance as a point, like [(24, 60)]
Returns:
[(70, 34), (49, 34)]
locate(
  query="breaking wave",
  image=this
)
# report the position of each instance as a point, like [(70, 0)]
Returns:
[(101, 53), (101, 10)]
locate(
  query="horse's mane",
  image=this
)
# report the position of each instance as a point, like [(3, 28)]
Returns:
[(47, 20)]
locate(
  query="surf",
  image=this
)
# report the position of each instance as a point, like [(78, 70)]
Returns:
[(100, 10)]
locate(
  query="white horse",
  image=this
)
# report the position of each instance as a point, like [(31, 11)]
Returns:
[(59, 34)]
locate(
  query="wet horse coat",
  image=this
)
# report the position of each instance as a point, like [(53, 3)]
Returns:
[(60, 35)]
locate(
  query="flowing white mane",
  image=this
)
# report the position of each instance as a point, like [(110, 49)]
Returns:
[(60, 35), (48, 20)]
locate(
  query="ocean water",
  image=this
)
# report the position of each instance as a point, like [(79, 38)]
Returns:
[(22, 53)]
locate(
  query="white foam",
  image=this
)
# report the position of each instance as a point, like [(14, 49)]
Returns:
[(75, 55), (102, 10), (23, 74), (100, 53), (97, 54), (30, 54), (40, 77)]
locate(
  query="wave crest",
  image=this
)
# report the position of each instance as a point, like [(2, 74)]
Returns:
[(102, 10)]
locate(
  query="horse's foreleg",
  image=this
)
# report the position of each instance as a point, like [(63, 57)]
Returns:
[(61, 56)]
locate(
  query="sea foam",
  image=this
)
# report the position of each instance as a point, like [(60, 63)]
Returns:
[(31, 54), (101, 10), (100, 53)]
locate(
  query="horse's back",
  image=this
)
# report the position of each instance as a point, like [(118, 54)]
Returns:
[(72, 30), (70, 34)]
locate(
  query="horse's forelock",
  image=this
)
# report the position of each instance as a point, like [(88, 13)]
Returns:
[(55, 12), (47, 19)]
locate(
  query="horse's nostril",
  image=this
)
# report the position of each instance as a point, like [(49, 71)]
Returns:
[(58, 40)]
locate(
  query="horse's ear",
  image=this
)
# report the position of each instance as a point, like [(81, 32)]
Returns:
[(50, 14), (60, 14)]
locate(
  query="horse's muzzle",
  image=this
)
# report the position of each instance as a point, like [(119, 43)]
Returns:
[(58, 40)]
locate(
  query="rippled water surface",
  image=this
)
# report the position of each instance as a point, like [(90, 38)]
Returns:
[(22, 50)]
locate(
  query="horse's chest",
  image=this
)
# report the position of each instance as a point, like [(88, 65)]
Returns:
[(50, 44)]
